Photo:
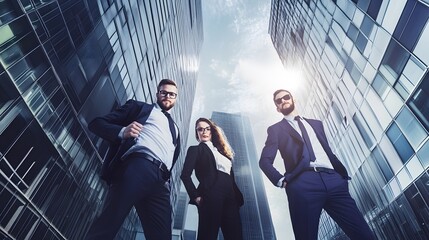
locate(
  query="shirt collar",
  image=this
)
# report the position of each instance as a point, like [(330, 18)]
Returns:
[(159, 107), (289, 118)]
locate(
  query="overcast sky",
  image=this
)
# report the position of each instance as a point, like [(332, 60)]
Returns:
[(239, 71)]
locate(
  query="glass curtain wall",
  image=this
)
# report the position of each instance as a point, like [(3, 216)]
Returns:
[(63, 62), (366, 77)]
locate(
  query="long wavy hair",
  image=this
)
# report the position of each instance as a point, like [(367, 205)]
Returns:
[(219, 139)]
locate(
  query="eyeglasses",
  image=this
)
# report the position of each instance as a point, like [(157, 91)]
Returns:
[(171, 95), (285, 97), (201, 130)]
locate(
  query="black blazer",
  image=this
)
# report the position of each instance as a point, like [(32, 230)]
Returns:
[(201, 159), (109, 126)]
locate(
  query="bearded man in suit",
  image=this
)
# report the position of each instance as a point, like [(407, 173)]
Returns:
[(315, 179), (144, 145)]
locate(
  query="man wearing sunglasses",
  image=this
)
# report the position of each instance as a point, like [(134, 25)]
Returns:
[(314, 179), (144, 145)]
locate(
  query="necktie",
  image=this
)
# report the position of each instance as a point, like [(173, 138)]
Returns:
[(306, 139), (171, 126)]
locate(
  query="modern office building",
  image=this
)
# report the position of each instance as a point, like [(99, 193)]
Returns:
[(61, 64), (189, 235), (366, 77), (255, 213), (181, 209)]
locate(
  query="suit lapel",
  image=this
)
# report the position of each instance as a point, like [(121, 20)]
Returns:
[(286, 125), (208, 152), (144, 113), (319, 136)]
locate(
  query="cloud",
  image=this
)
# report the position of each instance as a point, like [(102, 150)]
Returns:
[(221, 7), (243, 16), (256, 77), (219, 69)]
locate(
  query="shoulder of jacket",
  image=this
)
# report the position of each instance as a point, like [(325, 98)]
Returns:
[(133, 101), (313, 120), (193, 148), (276, 125)]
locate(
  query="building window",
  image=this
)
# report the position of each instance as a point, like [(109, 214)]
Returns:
[(380, 86), (423, 154), (411, 127), (411, 76), (411, 23), (374, 8), (367, 26), (421, 47), (364, 130), (361, 42), (400, 143), (393, 62), (419, 208), (8, 92), (382, 163), (419, 102), (423, 185)]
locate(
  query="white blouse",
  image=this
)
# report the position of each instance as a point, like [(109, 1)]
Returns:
[(222, 163)]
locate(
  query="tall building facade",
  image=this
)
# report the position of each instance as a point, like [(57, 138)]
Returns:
[(62, 63), (366, 77), (255, 213), (181, 209)]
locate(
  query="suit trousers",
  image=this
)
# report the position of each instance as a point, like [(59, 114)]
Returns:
[(140, 184), (219, 209), (311, 192)]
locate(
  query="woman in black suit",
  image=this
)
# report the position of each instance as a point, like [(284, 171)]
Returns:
[(217, 196)]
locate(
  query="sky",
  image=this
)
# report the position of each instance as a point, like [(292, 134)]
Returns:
[(239, 71)]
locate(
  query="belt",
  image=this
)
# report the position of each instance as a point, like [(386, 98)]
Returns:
[(161, 166), (320, 169)]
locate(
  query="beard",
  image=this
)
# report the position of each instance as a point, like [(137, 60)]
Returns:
[(288, 110), (163, 106)]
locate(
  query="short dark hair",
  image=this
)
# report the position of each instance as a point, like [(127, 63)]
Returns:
[(277, 92), (166, 82)]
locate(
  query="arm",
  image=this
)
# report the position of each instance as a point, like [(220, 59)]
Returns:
[(109, 126), (268, 155), (188, 168)]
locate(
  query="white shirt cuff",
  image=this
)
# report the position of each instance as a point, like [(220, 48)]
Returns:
[(280, 182), (121, 133)]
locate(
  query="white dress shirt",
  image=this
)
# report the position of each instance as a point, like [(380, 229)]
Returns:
[(322, 159), (222, 163), (155, 138)]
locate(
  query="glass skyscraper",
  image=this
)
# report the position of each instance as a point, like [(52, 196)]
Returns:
[(255, 213), (62, 63), (366, 77), (181, 209)]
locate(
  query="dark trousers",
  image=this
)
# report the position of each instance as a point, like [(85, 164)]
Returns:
[(219, 209), (313, 191), (140, 184)]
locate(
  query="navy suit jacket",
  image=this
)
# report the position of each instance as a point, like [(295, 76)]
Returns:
[(109, 126), (284, 138), (201, 159)]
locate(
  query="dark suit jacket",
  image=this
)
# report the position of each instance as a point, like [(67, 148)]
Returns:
[(109, 126), (283, 137), (201, 159)]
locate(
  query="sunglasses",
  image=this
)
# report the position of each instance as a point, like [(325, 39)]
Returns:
[(285, 97), (200, 129)]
